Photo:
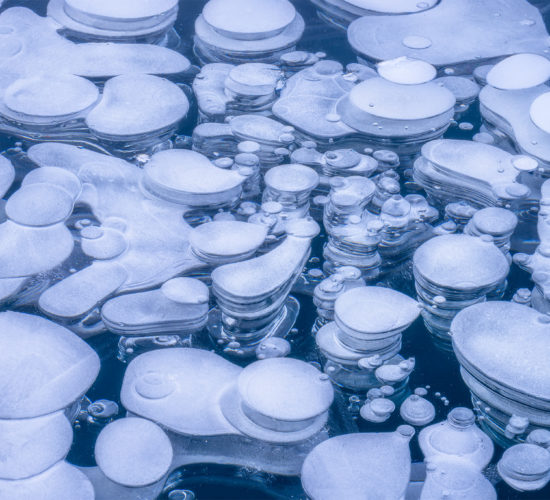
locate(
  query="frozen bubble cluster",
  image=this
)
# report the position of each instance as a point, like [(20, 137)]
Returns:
[(274, 249)]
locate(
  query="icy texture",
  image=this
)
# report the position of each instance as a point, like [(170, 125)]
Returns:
[(525, 467), (32, 445), (45, 366), (133, 105), (133, 452), (425, 35), (60, 481), (456, 480), (456, 438), (359, 466)]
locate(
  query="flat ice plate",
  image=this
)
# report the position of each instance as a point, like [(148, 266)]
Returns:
[(375, 309), (520, 71), (507, 342), (285, 389), (249, 17), (227, 238), (519, 27), (137, 104), (51, 95), (138, 442), (357, 466), (45, 367), (293, 178), (60, 481), (180, 389), (385, 99), (461, 262), (190, 172), (122, 9)]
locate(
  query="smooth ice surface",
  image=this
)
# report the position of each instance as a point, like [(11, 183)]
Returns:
[(122, 9), (60, 481), (227, 240), (137, 104), (520, 71), (375, 310), (191, 178), (180, 390), (45, 366), (425, 35), (133, 452), (39, 205), (296, 390), (359, 466), (461, 262), (265, 275), (539, 112), (33, 46), (525, 467), (456, 479), (32, 445), (406, 71), (507, 343), (249, 19), (50, 96)]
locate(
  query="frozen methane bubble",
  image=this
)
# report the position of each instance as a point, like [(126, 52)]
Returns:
[(247, 30), (377, 410), (366, 465), (457, 438), (133, 452), (33, 445), (253, 296), (46, 367), (425, 34), (457, 480), (365, 334), (461, 269), (456, 170), (60, 481), (135, 105), (502, 348), (376, 112), (519, 117), (406, 71), (197, 394), (46, 370), (179, 307), (189, 178), (525, 467), (49, 99), (341, 12), (121, 21), (416, 410), (273, 347), (291, 186), (520, 71), (32, 45), (496, 222), (222, 242), (224, 89)]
